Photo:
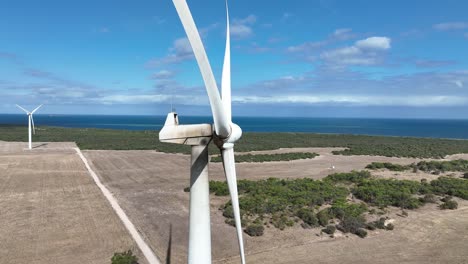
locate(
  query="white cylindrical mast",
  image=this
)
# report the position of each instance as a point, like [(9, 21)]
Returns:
[(29, 131), (199, 229)]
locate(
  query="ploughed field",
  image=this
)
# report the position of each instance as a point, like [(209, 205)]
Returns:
[(150, 187), (51, 211)]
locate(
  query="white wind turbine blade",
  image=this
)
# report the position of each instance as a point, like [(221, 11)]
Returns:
[(36, 109), (222, 126), (226, 77), (231, 179), (27, 112), (32, 121)]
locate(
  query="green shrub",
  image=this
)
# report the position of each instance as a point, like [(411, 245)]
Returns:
[(219, 188), (351, 224), (380, 224), (87, 138), (452, 205), (371, 226), (450, 186), (255, 230), (330, 229), (465, 175), (429, 198), (361, 233), (307, 215), (385, 192), (228, 212), (388, 166), (269, 157), (349, 177), (125, 257), (323, 217)]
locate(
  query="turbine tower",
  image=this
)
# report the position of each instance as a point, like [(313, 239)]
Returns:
[(223, 133), (30, 121)]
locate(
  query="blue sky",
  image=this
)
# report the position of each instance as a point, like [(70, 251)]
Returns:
[(289, 58)]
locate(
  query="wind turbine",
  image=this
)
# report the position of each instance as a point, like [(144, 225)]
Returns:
[(223, 133), (30, 121)]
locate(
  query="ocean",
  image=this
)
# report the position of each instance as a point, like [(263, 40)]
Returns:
[(435, 128)]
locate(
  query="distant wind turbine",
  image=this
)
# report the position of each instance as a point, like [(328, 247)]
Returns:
[(224, 134), (30, 122)]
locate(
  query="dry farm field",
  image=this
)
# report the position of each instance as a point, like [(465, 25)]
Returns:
[(149, 186), (51, 211)]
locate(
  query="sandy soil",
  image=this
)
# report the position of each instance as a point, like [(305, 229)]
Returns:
[(149, 186), (51, 211)]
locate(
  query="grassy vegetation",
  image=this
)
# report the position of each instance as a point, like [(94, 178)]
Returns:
[(88, 138), (426, 166), (125, 257), (270, 157), (311, 203), (387, 165)]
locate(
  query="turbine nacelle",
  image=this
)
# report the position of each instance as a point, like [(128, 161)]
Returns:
[(193, 135)]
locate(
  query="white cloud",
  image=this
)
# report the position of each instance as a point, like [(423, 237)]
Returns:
[(368, 51), (451, 26), (250, 19), (242, 28), (163, 74), (362, 100), (343, 34), (180, 51), (379, 43), (458, 83), (130, 99), (340, 34), (307, 46), (241, 31)]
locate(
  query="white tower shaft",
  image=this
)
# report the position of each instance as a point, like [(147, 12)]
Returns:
[(29, 131), (199, 229)]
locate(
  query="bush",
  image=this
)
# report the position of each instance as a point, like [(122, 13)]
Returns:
[(380, 224), (385, 192), (452, 205), (351, 224), (361, 233), (270, 157), (219, 188), (255, 230), (450, 186), (281, 221), (465, 175), (228, 212), (124, 258), (307, 215), (371, 226), (388, 166), (323, 217), (429, 198), (330, 229), (349, 177)]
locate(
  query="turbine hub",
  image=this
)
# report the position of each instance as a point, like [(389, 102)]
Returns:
[(234, 136)]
